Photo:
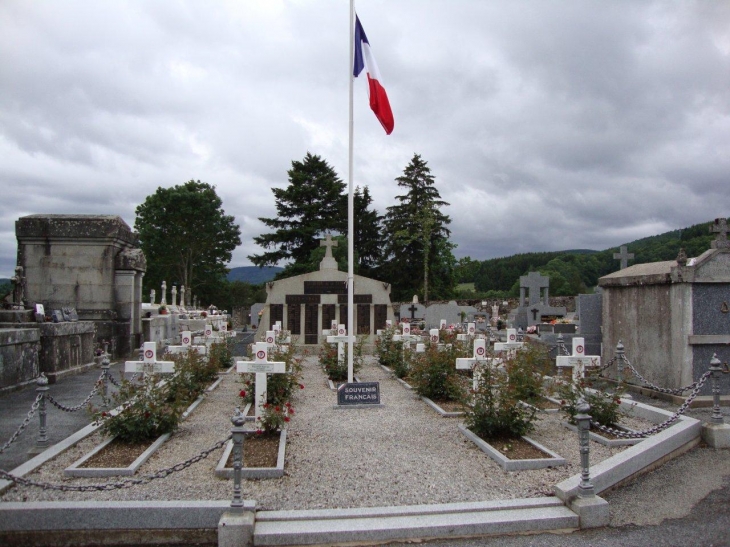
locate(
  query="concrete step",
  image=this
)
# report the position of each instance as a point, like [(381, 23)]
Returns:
[(383, 524)]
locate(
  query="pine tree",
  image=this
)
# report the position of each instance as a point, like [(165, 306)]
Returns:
[(368, 233), (418, 257), (312, 204)]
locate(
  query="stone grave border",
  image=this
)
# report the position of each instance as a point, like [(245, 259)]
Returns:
[(508, 464), (444, 413), (223, 472)]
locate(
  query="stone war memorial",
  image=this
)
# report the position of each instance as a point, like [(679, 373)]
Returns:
[(308, 304), (78, 280)]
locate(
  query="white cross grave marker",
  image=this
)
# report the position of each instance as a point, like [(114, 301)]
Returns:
[(150, 364), (261, 366), (578, 361), (479, 358), (340, 339), (511, 342), (186, 338)]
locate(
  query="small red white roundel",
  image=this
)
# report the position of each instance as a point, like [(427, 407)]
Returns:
[(579, 349), (270, 340), (480, 351), (208, 332), (512, 337), (471, 330), (186, 340), (341, 331), (260, 354), (149, 354), (434, 338)]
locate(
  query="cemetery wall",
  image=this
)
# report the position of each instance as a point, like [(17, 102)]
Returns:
[(19, 350), (65, 346)]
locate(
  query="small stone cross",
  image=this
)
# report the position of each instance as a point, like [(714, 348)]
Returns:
[(413, 309), (719, 227), (624, 256), (329, 243), (150, 364)]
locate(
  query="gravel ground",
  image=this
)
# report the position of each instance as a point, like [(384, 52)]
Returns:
[(401, 454)]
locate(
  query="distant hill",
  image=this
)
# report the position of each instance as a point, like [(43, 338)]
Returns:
[(253, 274)]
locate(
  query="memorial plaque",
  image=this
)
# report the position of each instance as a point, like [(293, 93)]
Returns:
[(381, 315), (325, 287), (294, 319), (363, 318), (57, 316), (361, 393), (276, 312), (294, 299), (311, 323), (328, 315), (356, 299), (268, 368)]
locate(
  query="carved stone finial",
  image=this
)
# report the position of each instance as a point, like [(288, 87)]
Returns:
[(682, 257)]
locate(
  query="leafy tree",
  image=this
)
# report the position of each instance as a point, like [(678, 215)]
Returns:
[(186, 237), (312, 204), (418, 255)]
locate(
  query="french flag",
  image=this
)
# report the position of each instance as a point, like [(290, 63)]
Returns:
[(378, 97)]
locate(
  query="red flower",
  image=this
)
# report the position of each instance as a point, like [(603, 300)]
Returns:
[(259, 431), (103, 414), (266, 405), (242, 394), (291, 410), (286, 418), (146, 414), (301, 386), (287, 404)]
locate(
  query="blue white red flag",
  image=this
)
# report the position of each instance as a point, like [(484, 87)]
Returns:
[(378, 97)]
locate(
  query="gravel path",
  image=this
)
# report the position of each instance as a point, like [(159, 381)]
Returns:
[(401, 454)]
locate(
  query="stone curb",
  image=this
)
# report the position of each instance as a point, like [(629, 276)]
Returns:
[(223, 472), (441, 411)]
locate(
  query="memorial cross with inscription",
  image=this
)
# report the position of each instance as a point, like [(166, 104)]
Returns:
[(149, 363), (511, 342), (186, 338), (340, 339), (261, 366), (578, 361)]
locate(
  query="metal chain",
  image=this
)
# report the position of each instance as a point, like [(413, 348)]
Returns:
[(662, 426), (647, 383), (127, 483), (33, 408), (65, 408), (112, 380)]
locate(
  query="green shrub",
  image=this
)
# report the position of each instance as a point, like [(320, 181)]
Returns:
[(390, 353), (221, 353), (604, 407), (525, 370), (336, 369), (433, 374), (496, 412)]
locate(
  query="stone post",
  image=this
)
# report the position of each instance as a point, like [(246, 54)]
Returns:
[(716, 433), (174, 295), (152, 297), (585, 489), (42, 383), (105, 377), (237, 432), (182, 296), (163, 298), (620, 359)]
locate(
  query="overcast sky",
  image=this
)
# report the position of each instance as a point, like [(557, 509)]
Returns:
[(547, 125)]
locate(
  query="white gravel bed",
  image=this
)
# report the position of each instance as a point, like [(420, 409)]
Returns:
[(401, 454)]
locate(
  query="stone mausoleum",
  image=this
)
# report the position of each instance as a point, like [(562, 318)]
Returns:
[(672, 316), (86, 271), (307, 304)]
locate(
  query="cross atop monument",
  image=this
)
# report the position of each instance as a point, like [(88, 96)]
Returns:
[(624, 256), (328, 262), (534, 283), (719, 227)]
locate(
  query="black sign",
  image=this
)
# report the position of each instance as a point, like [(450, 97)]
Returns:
[(325, 287), (361, 393), (294, 299)]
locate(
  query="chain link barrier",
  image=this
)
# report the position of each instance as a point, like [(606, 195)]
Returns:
[(662, 426), (28, 418), (127, 483), (647, 383), (65, 408)]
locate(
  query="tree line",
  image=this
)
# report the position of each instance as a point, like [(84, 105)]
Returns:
[(188, 240)]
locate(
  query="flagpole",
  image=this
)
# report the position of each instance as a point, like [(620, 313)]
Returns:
[(351, 211)]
